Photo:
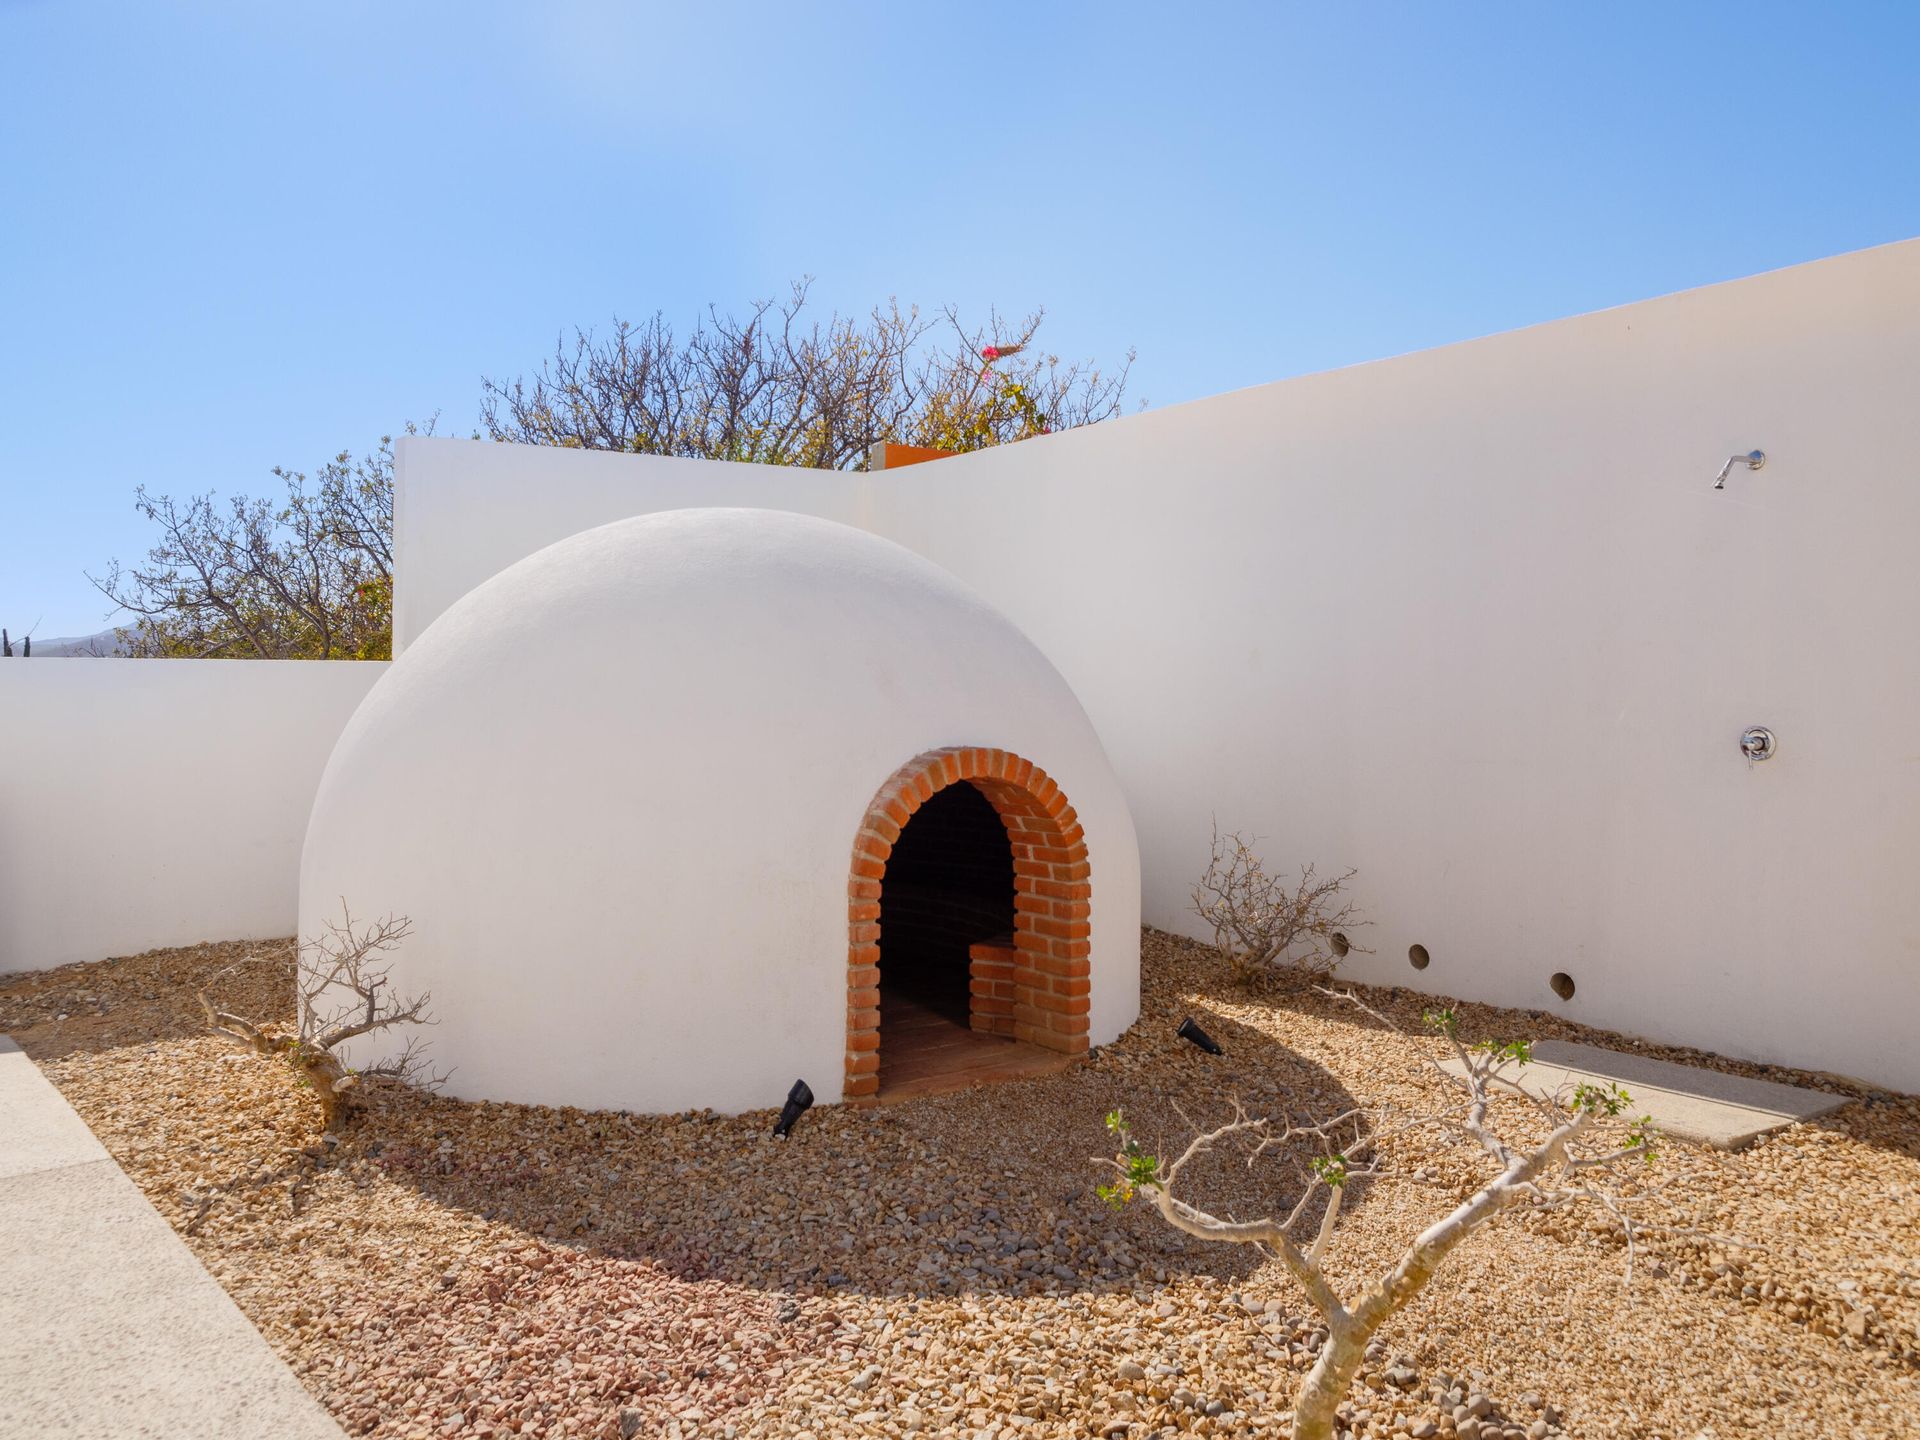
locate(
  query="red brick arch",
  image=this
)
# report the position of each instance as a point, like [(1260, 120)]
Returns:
[(1037, 989)]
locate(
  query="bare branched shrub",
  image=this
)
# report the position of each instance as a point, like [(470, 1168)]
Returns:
[(783, 385), (1267, 924), (1566, 1162), (341, 980)]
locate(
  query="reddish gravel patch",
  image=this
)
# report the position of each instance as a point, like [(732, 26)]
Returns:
[(534, 1335)]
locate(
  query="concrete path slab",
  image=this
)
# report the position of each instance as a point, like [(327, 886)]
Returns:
[(1728, 1112), (38, 1129), (108, 1324)]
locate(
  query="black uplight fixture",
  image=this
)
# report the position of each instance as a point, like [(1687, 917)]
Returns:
[(799, 1101), (1194, 1035)]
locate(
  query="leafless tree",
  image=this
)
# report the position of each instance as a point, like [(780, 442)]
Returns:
[(782, 387), (1560, 1165), (1266, 924), (306, 577), (310, 575), (341, 980)]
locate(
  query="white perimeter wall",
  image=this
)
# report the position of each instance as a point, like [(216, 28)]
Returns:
[(158, 802), (1472, 621)]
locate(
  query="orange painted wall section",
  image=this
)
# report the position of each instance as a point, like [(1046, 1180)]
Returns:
[(888, 456)]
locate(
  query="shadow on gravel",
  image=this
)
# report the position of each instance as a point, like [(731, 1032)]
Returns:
[(989, 1190)]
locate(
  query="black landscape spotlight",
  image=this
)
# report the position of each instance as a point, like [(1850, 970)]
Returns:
[(1194, 1035), (799, 1101)]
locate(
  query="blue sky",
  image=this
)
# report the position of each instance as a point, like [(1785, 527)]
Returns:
[(244, 235)]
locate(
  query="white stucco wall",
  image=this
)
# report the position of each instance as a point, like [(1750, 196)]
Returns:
[(158, 802), (617, 787), (1471, 620)]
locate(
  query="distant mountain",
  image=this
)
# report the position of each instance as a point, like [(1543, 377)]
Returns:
[(104, 644)]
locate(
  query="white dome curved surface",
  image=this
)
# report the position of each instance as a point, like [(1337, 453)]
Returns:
[(617, 790)]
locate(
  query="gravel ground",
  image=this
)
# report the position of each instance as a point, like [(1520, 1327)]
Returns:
[(943, 1267)]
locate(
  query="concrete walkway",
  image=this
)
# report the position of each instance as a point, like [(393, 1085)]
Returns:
[(1728, 1112), (108, 1324)]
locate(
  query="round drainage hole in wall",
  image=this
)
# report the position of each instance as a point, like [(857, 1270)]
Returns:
[(1417, 956), (1339, 944), (1561, 984)]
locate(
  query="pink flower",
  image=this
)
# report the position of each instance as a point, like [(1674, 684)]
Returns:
[(990, 352)]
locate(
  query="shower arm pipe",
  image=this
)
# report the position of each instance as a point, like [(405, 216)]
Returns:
[(1753, 460)]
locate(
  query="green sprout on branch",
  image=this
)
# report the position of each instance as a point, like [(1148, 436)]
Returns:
[(1330, 1168), (1609, 1100), (1138, 1169), (1521, 1050), (1641, 1133), (1612, 1101)]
